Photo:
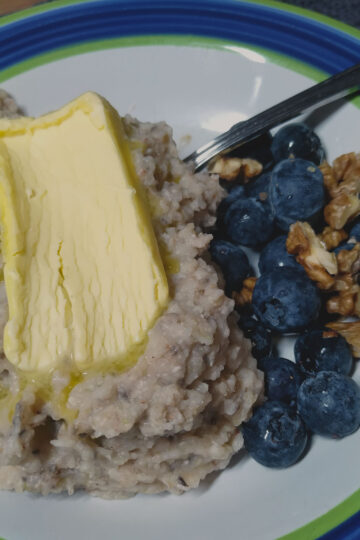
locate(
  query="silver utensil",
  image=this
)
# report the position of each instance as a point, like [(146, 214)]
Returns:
[(243, 132)]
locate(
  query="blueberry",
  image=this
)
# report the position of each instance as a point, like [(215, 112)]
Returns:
[(323, 350), (297, 140), (259, 188), (249, 222), (238, 192), (355, 231), (232, 261), (260, 337), (275, 436), (282, 379), (296, 192), (258, 149), (329, 404), (275, 255), (285, 300)]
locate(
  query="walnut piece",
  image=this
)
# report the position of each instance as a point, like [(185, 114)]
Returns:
[(347, 172), (330, 181), (309, 250), (344, 304), (341, 209), (351, 332), (347, 301), (245, 295), (231, 168), (349, 261), (343, 176), (342, 182), (332, 238), (343, 283)]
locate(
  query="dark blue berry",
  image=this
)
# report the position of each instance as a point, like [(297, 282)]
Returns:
[(297, 140), (323, 350), (248, 222), (296, 192), (275, 436), (286, 300), (232, 261), (355, 231), (259, 336), (275, 255), (282, 379), (259, 188), (329, 404), (238, 192)]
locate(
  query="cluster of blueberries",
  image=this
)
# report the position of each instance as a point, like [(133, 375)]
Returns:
[(314, 394)]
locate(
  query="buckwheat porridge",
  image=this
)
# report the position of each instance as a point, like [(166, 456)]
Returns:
[(172, 418)]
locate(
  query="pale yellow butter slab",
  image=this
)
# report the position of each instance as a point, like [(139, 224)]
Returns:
[(83, 273)]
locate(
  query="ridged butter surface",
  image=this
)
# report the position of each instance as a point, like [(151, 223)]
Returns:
[(83, 273)]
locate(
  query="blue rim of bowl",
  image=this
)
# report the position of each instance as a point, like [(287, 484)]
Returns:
[(315, 45), (68, 23)]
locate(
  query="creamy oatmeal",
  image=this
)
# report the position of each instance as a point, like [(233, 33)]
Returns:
[(172, 418)]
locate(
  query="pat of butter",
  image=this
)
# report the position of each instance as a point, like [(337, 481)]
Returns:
[(83, 273)]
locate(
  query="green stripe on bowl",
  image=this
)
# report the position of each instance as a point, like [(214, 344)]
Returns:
[(328, 521)]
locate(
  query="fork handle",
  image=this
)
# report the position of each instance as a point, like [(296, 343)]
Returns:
[(243, 132)]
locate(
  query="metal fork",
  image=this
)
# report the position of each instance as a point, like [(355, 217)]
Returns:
[(243, 132)]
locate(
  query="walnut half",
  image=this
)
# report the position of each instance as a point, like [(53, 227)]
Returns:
[(310, 252), (347, 301), (232, 168), (332, 238), (349, 260), (342, 182), (341, 209), (343, 176)]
